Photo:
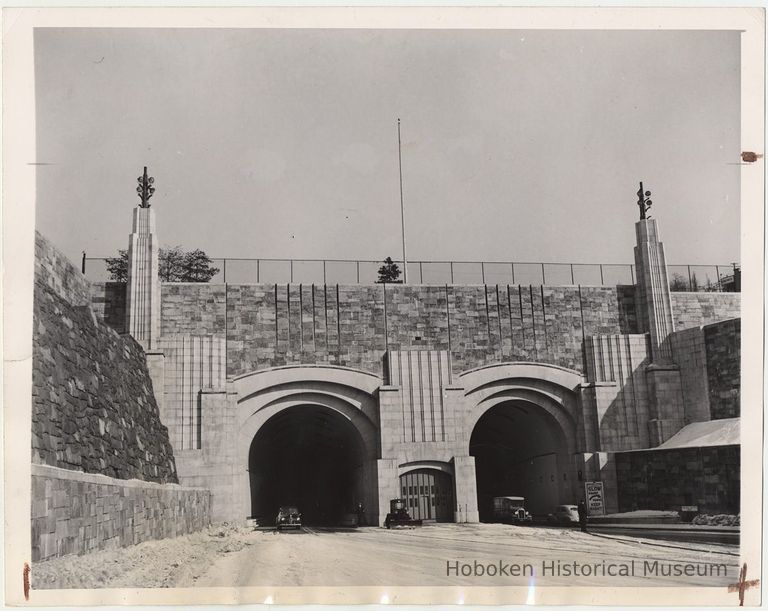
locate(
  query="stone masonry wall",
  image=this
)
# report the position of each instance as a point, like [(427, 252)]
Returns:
[(696, 309), (54, 270), (192, 364), (93, 404), (76, 513), (708, 477), (722, 342), (688, 351), (108, 301), (617, 364), (272, 325)]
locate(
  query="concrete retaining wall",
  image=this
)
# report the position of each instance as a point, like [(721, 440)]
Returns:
[(76, 513)]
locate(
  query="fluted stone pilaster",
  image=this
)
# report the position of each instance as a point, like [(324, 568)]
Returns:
[(653, 296), (143, 298)]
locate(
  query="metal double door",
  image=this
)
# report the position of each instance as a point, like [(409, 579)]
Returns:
[(428, 494)]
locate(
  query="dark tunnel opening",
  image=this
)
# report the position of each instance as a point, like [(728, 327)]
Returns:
[(310, 457), (519, 450)]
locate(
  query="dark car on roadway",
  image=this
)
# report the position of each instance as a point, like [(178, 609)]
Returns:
[(564, 514), (288, 517)]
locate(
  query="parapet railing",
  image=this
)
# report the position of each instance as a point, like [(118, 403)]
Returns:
[(343, 271)]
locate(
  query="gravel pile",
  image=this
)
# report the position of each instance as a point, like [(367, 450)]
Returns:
[(720, 519)]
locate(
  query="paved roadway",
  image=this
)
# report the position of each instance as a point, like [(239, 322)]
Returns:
[(678, 533), (424, 556)]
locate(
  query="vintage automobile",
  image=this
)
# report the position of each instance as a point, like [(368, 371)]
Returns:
[(564, 514), (398, 515), (510, 509), (288, 517)]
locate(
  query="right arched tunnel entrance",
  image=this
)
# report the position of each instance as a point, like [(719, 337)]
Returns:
[(521, 450)]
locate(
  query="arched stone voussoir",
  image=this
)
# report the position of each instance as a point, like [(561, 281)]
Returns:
[(263, 398), (252, 383), (263, 388), (550, 388), (437, 465), (535, 400), (255, 420), (533, 388), (475, 379)]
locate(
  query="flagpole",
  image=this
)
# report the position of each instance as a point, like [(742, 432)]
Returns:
[(402, 207)]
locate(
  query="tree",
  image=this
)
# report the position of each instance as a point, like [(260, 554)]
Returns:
[(174, 264), (118, 267), (682, 284), (197, 267), (736, 284), (389, 273), (694, 282), (171, 264), (678, 283)]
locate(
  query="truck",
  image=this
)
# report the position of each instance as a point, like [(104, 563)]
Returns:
[(510, 509), (398, 515)]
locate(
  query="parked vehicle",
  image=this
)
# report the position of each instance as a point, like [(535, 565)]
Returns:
[(288, 517), (564, 514), (398, 515), (510, 509)]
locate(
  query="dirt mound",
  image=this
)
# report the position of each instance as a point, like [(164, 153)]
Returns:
[(153, 564)]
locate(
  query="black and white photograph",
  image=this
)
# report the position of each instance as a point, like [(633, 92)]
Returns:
[(360, 306)]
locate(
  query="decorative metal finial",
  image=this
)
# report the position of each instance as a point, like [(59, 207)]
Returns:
[(643, 202), (145, 188)]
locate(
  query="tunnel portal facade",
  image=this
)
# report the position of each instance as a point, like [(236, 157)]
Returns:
[(334, 441), (338, 399)]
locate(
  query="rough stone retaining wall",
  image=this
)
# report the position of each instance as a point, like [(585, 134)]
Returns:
[(103, 470), (108, 301), (689, 352), (93, 407), (707, 477), (76, 513), (723, 348), (54, 270), (710, 368)]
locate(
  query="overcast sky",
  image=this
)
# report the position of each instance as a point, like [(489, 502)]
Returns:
[(518, 145)]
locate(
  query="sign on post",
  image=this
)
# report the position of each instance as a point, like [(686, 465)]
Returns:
[(594, 494)]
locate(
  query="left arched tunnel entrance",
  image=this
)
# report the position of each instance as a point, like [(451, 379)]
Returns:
[(308, 456)]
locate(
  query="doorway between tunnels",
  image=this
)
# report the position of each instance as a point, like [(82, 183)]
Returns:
[(428, 494)]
